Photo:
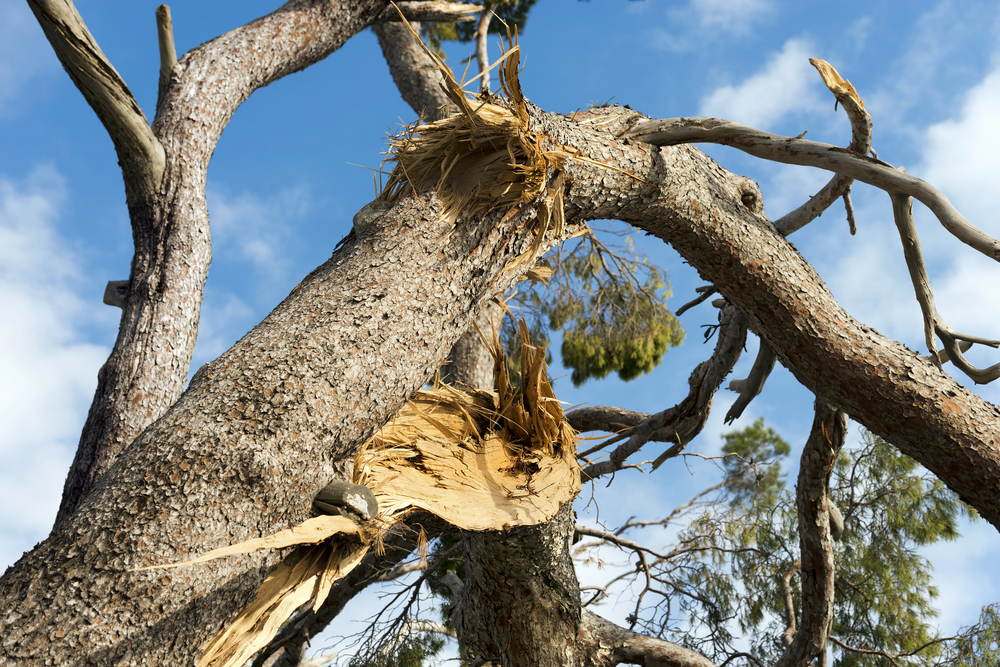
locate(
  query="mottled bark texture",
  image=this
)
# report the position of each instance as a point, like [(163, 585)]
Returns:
[(521, 600), (242, 453), (149, 364), (415, 74)]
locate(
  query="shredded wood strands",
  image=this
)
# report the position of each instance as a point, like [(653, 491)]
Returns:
[(484, 156), (479, 460)]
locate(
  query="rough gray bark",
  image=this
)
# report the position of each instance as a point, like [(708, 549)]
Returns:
[(533, 613), (415, 74), (164, 170), (244, 450)]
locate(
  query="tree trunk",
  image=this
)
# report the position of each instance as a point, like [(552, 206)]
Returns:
[(521, 600), (262, 429)]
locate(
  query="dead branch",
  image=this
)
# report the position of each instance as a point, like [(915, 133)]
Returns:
[(752, 386), (789, 605), (437, 12), (610, 644), (902, 211), (686, 419), (793, 150), (482, 49), (139, 152)]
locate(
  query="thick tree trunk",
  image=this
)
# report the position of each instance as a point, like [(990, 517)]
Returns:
[(260, 430), (521, 600)]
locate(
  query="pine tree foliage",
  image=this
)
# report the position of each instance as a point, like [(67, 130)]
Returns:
[(610, 304), (721, 585)]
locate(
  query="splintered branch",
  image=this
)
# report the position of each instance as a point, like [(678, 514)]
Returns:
[(861, 143), (682, 422), (139, 152), (829, 431)]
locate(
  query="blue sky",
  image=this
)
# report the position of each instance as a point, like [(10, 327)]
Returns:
[(282, 189)]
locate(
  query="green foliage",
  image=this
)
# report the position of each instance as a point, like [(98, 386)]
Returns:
[(512, 13), (753, 471), (413, 652), (738, 551), (980, 645), (610, 306)]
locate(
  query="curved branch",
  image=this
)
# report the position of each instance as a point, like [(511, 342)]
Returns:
[(793, 150), (609, 644), (752, 386), (902, 212), (893, 392), (682, 422), (139, 152), (829, 431)]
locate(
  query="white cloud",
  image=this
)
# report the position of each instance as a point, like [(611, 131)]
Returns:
[(257, 230), (24, 53), (732, 15), (49, 372), (787, 84)]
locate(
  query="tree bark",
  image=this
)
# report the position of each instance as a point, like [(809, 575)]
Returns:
[(521, 600), (149, 364), (260, 430)]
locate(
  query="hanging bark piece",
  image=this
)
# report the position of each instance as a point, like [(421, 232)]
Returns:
[(478, 460)]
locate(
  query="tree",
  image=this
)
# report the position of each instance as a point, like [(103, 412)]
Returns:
[(260, 430)]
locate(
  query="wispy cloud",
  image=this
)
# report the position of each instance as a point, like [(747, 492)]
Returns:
[(254, 230), (731, 15), (787, 84), (49, 371), (24, 53)]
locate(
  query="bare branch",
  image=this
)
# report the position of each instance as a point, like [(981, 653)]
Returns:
[(437, 12), (902, 210), (793, 150), (165, 37), (752, 386), (705, 290), (614, 645), (139, 152), (482, 49), (786, 598), (686, 419)]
